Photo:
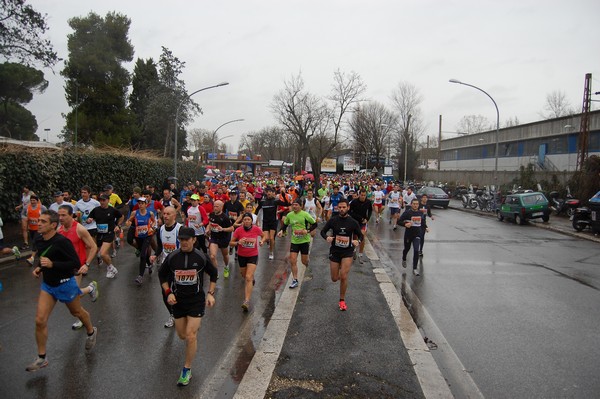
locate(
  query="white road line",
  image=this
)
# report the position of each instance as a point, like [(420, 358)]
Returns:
[(429, 375)]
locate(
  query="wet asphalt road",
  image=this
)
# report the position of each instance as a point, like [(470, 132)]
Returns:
[(513, 309), (518, 306), (135, 355)]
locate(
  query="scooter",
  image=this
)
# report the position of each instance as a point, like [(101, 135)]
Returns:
[(567, 205), (582, 218), (468, 199)]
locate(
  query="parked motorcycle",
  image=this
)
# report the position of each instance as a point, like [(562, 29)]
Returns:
[(567, 205), (585, 217), (468, 199), (582, 218)]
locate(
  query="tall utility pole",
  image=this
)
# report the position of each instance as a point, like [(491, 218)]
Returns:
[(440, 145), (584, 130)]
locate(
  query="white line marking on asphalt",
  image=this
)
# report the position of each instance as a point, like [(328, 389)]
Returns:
[(257, 377), (429, 375)]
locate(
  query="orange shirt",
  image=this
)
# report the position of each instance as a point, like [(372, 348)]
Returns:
[(33, 217)]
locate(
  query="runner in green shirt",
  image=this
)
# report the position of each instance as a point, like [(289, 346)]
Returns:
[(302, 224)]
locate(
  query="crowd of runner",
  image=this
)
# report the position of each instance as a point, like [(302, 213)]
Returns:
[(188, 232)]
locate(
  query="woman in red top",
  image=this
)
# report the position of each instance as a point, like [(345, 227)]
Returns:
[(248, 237)]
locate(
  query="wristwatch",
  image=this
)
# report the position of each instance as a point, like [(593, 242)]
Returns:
[(87, 264)]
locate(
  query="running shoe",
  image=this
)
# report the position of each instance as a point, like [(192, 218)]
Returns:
[(403, 262), (114, 253), (16, 252), (30, 260), (111, 271), (360, 259), (90, 341), (377, 221), (149, 268), (420, 254), (37, 364), (395, 227), (245, 306), (271, 256), (343, 306), (118, 242), (94, 291), (230, 250), (77, 325), (137, 252), (184, 377), (25, 246), (170, 322), (294, 283), (416, 272), (226, 272), (139, 280)]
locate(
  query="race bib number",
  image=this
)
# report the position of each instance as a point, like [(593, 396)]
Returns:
[(33, 222), (342, 242), (192, 218), (335, 208), (416, 221), (249, 243), (141, 231), (102, 228), (233, 215), (214, 227), (186, 277), (299, 233), (169, 247), (424, 210)]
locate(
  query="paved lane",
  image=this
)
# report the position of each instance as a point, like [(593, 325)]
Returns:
[(135, 355), (518, 305)]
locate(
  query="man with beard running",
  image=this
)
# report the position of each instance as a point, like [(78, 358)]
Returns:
[(167, 241), (343, 243)]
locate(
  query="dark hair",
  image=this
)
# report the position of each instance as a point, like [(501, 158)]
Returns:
[(53, 216), (86, 188), (343, 200), (362, 190), (68, 208), (33, 196)]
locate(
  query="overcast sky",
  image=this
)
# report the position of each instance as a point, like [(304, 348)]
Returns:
[(516, 50)]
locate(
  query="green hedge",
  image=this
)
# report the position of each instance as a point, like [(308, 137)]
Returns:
[(46, 171)]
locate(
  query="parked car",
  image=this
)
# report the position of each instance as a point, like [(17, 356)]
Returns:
[(524, 206), (436, 196)]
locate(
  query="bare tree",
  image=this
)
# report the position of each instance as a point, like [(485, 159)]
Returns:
[(510, 122), (406, 101), (557, 105), (314, 120), (471, 124), (371, 132)]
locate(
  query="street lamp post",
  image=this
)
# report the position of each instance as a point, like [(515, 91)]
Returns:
[(47, 130), (177, 120), (216, 145), (497, 122), (216, 140)]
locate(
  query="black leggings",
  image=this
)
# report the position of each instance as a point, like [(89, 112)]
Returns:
[(415, 241), (143, 245), (201, 243), (422, 240)]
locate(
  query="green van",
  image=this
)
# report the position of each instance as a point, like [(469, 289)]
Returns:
[(524, 206)]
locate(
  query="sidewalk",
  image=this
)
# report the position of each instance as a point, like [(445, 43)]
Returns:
[(313, 350), (560, 224)]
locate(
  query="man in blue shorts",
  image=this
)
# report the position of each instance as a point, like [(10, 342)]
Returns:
[(55, 260)]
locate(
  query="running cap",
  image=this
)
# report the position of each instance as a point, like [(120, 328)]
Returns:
[(58, 194), (196, 197), (142, 199), (186, 232)]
